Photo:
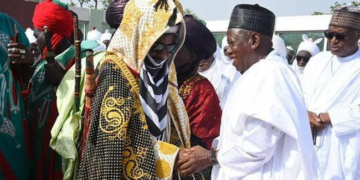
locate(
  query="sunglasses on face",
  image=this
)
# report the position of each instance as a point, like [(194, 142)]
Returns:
[(158, 47), (338, 36), (305, 59)]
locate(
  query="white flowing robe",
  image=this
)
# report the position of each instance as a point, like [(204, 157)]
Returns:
[(332, 85), (265, 133)]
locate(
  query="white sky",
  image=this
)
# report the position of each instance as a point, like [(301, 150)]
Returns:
[(221, 9)]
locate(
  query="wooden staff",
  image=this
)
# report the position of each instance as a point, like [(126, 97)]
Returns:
[(50, 55), (77, 43), (89, 92)]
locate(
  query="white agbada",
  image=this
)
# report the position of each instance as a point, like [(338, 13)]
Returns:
[(265, 133), (332, 85)]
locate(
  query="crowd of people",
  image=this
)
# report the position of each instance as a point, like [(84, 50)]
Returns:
[(160, 99)]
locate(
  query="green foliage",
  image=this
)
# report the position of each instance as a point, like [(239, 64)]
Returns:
[(188, 11), (337, 4), (71, 3)]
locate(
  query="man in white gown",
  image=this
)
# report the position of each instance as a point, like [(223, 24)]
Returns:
[(332, 94), (264, 133)]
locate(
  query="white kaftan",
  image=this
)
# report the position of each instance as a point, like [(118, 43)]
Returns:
[(265, 133), (332, 85)]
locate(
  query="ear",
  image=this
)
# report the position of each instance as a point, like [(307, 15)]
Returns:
[(254, 40), (192, 58)]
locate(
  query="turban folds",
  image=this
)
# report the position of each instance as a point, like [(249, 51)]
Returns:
[(55, 16), (199, 39), (254, 18), (309, 45), (115, 13)]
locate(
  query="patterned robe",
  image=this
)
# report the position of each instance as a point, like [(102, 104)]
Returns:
[(14, 140), (42, 114)]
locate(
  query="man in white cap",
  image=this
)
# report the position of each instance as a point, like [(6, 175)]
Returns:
[(331, 87), (106, 37), (33, 45), (307, 49), (263, 133)]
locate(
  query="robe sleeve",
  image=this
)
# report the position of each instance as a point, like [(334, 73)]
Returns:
[(251, 150), (345, 120), (204, 112)]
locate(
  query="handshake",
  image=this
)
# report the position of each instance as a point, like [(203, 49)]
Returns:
[(192, 160)]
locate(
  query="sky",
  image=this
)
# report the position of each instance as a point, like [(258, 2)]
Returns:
[(221, 9)]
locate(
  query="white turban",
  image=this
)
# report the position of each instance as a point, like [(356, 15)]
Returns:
[(30, 35), (279, 45), (309, 46), (94, 35), (106, 36), (224, 42), (173, 30)]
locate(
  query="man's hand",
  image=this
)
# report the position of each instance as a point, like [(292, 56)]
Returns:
[(54, 73), (194, 160), (315, 121), (19, 54)]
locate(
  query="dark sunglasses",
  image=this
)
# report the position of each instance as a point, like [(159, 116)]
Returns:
[(158, 47), (330, 35), (305, 59)]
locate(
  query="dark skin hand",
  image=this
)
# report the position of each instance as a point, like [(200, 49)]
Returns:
[(319, 122), (194, 160), (54, 73), (21, 59)]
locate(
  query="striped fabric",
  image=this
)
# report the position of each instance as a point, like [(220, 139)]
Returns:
[(153, 95)]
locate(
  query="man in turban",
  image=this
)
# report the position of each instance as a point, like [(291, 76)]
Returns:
[(138, 120), (15, 158), (43, 84), (106, 37), (264, 133), (331, 87), (200, 98), (307, 49)]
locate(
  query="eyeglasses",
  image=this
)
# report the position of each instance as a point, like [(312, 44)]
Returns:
[(305, 59), (158, 47), (338, 36)]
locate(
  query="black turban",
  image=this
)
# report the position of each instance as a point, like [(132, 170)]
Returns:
[(199, 39), (253, 18), (115, 12)]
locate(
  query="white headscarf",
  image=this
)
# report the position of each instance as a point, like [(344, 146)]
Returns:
[(279, 46), (94, 35), (213, 74), (309, 45), (30, 35), (106, 36)]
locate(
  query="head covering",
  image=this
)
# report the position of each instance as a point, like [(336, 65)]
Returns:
[(173, 30), (131, 43), (224, 42), (114, 13), (279, 46), (57, 18), (30, 35), (94, 34), (199, 39), (106, 36), (346, 17), (309, 45), (253, 18)]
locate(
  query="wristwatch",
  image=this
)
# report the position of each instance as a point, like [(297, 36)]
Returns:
[(213, 157)]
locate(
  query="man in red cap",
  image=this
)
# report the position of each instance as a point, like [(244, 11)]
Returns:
[(42, 86)]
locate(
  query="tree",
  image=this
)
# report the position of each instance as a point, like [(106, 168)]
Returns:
[(82, 2), (337, 4), (188, 11), (71, 3), (106, 3)]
